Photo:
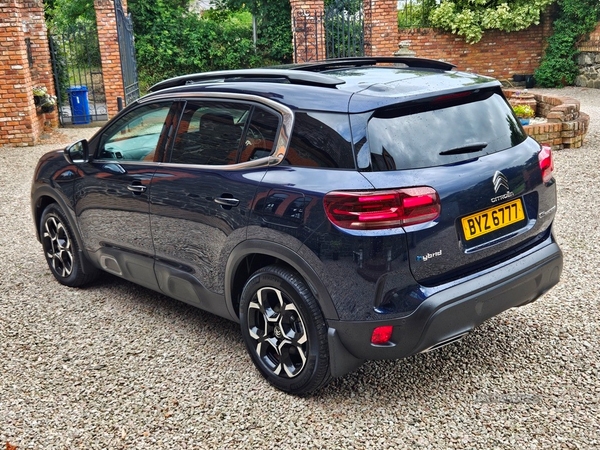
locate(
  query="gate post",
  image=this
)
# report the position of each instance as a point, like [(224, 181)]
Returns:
[(24, 63), (308, 30), (381, 27), (106, 22)]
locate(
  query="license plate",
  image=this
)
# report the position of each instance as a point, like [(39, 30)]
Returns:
[(492, 219)]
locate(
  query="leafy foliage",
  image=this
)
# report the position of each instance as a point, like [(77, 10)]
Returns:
[(415, 13), (574, 19), (273, 26), (171, 40), (470, 18), (65, 13)]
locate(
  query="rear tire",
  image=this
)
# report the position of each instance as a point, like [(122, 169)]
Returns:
[(61, 249), (284, 330)]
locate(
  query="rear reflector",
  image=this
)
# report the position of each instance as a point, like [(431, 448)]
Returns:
[(546, 163), (376, 210), (382, 335)]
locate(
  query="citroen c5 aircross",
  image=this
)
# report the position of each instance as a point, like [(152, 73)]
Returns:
[(340, 211)]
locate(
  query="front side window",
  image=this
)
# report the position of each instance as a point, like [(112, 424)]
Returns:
[(135, 136)]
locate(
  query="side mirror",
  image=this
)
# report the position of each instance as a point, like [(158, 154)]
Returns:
[(77, 152)]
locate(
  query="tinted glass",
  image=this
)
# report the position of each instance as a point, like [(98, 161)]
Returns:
[(261, 132), (320, 140), (135, 136), (209, 133), (445, 131)]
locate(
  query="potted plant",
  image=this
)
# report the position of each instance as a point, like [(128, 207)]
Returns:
[(43, 100), (524, 113)]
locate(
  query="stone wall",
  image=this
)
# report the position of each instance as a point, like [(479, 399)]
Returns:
[(589, 61)]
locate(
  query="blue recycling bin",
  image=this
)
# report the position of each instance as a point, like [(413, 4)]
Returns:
[(80, 107)]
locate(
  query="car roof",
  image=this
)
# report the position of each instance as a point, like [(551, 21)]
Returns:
[(349, 85)]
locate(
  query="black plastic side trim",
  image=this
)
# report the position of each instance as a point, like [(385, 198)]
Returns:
[(341, 361), (447, 315), (46, 191), (287, 255)]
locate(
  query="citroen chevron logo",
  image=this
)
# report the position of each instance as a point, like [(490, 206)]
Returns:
[(499, 181)]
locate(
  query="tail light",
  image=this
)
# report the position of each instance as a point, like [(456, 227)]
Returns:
[(376, 210), (546, 163)]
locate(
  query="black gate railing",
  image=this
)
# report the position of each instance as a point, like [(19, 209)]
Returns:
[(344, 30), (336, 32), (127, 51), (78, 74)]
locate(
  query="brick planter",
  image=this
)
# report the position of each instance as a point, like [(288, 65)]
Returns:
[(566, 125)]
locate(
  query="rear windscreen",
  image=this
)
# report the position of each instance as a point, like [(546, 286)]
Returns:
[(444, 130)]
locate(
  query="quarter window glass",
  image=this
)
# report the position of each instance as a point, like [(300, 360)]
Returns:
[(135, 136), (210, 133), (320, 140)]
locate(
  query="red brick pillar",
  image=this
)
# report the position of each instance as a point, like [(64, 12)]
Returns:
[(308, 30), (381, 27), (20, 71), (109, 52), (41, 72)]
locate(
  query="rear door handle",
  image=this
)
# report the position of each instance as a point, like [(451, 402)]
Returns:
[(227, 201)]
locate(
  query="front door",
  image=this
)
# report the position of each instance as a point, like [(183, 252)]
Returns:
[(111, 200)]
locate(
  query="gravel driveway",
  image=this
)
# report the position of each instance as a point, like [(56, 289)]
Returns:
[(118, 366)]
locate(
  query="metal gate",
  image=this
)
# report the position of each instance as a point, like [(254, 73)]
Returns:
[(339, 29), (127, 52), (78, 74)]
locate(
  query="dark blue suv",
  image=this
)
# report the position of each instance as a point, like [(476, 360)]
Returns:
[(340, 211)]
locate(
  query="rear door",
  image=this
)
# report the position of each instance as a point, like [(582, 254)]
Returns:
[(474, 153), (200, 197)]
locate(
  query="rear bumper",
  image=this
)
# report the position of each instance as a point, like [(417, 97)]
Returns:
[(448, 314)]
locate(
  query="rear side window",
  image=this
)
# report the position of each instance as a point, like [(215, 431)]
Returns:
[(223, 133), (320, 140), (446, 130)]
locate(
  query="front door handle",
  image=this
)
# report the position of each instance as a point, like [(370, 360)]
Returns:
[(137, 188), (227, 201)]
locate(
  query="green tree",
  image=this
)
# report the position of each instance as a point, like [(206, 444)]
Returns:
[(171, 40), (65, 13), (273, 27)]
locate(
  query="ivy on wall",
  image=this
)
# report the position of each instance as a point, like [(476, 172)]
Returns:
[(573, 21), (470, 18)]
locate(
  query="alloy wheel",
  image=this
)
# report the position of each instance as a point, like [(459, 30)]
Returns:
[(278, 331), (58, 247)]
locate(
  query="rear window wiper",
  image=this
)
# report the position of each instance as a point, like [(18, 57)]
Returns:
[(471, 148)]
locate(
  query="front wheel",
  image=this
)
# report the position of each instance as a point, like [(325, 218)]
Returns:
[(284, 330), (61, 250)]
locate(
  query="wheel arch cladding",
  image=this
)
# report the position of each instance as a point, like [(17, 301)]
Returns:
[(251, 255)]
